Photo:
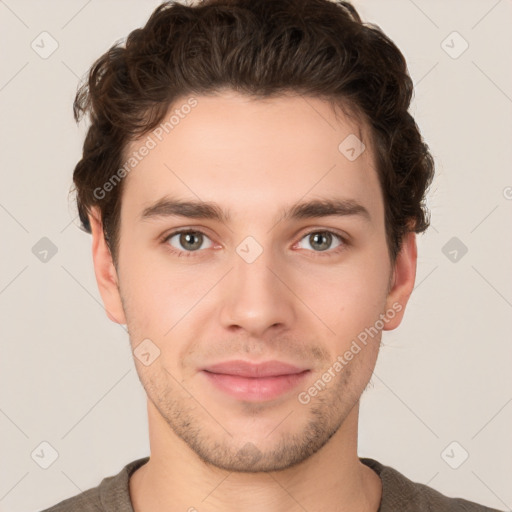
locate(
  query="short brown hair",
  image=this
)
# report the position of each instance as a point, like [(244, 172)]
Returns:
[(261, 48)]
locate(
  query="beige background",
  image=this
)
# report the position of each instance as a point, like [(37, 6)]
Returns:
[(67, 373)]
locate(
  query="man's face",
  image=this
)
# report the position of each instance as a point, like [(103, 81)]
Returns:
[(257, 286)]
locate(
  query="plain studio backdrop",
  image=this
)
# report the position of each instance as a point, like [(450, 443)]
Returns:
[(439, 407)]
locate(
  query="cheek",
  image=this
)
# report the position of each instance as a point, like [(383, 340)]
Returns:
[(145, 293), (158, 296), (349, 297)]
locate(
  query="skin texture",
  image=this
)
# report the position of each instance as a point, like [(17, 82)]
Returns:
[(294, 303)]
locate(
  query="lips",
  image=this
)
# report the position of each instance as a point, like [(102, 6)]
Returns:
[(254, 382), (245, 369)]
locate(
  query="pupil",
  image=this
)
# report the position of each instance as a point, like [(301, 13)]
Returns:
[(187, 240), (323, 237)]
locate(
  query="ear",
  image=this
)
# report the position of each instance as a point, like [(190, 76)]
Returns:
[(402, 283), (106, 274)]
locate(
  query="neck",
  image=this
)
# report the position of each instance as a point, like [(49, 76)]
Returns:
[(333, 478)]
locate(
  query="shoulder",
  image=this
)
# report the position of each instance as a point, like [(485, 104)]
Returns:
[(400, 493), (112, 494), (87, 501)]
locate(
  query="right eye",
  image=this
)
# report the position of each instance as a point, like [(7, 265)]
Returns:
[(187, 241)]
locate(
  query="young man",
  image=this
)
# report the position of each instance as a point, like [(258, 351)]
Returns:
[(254, 183)]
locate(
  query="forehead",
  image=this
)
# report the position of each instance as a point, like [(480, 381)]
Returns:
[(245, 153)]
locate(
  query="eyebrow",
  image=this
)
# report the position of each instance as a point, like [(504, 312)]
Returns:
[(192, 209)]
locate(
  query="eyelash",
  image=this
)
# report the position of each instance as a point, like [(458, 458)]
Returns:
[(188, 254)]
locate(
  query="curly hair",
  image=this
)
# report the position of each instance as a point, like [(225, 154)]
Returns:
[(262, 48)]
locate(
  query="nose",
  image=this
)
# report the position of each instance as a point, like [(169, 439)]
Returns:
[(257, 297)]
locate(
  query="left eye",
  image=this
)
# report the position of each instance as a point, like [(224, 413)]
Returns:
[(189, 241), (320, 241)]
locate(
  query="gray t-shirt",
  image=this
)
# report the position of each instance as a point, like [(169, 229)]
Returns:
[(399, 494)]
